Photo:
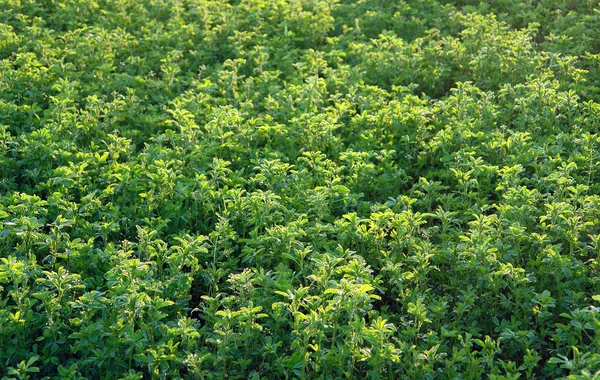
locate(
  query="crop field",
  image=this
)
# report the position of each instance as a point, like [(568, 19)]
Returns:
[(299, 189)]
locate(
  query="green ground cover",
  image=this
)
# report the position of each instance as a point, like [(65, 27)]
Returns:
[(311, 189)]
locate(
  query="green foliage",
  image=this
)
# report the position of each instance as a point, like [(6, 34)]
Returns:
[(299, 189)]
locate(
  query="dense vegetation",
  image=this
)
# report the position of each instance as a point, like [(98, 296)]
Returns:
[(299, 189)]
